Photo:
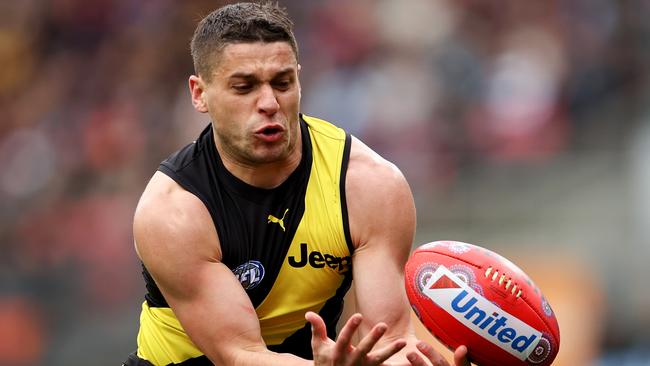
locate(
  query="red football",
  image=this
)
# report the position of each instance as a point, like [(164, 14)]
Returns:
[(466, 294)]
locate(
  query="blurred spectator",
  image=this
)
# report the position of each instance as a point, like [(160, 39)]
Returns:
[(22, 335)]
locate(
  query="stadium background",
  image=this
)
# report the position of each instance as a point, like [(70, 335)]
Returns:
[(522, 126)]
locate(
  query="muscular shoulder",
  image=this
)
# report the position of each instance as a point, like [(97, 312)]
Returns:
[(172, 226), (366, 167), (379, 198)]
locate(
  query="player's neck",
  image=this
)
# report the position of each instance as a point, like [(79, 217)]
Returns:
[(268, 175)]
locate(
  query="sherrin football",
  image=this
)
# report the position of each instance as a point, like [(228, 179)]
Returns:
[(466, 294)]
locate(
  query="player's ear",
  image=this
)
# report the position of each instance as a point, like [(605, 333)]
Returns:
[(197, 92)]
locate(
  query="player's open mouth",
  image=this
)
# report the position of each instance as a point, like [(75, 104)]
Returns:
[(270, 133)]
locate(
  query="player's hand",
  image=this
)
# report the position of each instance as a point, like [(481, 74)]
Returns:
[(460, 356), (342, 352)]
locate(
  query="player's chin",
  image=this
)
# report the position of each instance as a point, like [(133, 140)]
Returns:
[(270, 153)]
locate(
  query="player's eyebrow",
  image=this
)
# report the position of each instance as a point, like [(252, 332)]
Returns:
[(285, 71), (251, 76), (243, 75)]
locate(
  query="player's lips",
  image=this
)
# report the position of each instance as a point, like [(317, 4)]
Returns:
[(271, 132)]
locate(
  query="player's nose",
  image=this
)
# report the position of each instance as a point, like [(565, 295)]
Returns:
[(267, 102)]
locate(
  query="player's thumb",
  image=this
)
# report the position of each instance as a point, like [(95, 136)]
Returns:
[(460, 357), (318, 328)]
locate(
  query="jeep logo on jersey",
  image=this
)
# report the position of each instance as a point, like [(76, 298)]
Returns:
[(480, 315), (249, 274), (317, 259)]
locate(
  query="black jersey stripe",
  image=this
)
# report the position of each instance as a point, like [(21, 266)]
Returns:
[(344, 204)]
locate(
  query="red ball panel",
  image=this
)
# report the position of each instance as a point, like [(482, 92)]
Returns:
[(504, 316)]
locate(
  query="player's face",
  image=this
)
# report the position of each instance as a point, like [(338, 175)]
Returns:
[(253, 100)]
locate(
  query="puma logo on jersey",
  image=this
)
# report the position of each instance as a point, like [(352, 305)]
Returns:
[(275, 220), (317, 259)]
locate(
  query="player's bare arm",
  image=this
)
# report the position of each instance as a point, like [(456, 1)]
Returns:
[(177, 242), (382, 225)]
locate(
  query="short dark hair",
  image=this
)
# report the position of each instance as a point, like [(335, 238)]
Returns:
[(239, 23)]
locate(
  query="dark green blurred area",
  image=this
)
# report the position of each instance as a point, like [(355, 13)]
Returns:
[(522, 126)]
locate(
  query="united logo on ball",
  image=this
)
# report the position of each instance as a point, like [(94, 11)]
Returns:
[(468, 295)]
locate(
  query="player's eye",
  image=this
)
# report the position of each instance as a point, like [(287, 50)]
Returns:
[(242, 87), (282, 85)]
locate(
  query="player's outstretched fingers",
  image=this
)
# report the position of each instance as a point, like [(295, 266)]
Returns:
[(344, 340), (384, 353), (433, 356), (415, 359), (460, 356), (369, 341)]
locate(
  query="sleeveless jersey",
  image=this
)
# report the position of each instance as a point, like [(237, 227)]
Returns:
[(289, 247)]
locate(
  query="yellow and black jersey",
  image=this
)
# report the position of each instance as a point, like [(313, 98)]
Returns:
[(289, 247)]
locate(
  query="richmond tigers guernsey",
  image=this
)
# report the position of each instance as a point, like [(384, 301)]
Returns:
[(289, 247)]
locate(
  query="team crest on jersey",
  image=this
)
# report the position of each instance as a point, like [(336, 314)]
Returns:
[(249, 274)]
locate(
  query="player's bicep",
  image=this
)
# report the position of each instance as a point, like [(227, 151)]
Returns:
[(380, 203)]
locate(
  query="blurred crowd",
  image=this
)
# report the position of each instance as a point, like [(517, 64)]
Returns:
[(93, 95)]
